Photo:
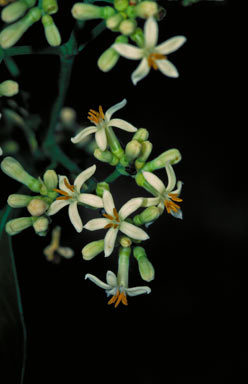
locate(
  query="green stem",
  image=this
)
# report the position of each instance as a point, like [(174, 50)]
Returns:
[(113, 176)]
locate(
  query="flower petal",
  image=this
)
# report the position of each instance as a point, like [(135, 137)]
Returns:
[(97, 281), (108, 202), (62, 184), (56, 206), (171, 177), (135, 291), (74, 217), (109, 241), (140, 72), (179, 188), (167, 68), (133, 231), (130, 207), (150, 201), (114, 109), (96, 224), (151, 32), (171, 45), (83, 176), (122, 124), (92, 200), (111, 278), (128, 51), (154, 181), (83, 133), (101, 139)]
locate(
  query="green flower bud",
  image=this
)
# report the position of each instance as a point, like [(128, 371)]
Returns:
[(125, 241), (141, 134), (106, 156), (145, 266), (130, 12), (9, 88), (51, 31), (121, 5), (146, 149), (50, 6), (146, 9), (127, 27), (37, 207), (114, 143), (172, 155), (132, 150), (107, 12), (110, 57), (14, 169), (15, 226), (16, 10), (11, 34), (101, 187), (114, 21), (92, 249), (138, 37), (41, 225), (18, 201), (50, 178), (147, 216), (123, 266), (81, 11)]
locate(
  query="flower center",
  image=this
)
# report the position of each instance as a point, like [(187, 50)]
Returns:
[(151, 59), (96, 117), (117, 298), (115, 219), (170, 205), (65, 195)]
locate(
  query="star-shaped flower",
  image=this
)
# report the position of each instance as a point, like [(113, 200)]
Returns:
[(166, 197), (71, 195), (101, 123), (115, 221), (119, 291), (151, 55)]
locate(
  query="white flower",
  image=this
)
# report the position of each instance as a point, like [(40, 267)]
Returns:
[(115, 221), (102, 122), (165, 196), (119, 291), (71, 196), (151, 55)]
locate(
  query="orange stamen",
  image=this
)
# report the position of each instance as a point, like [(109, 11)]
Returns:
[(107, 226), (114, 298), (60, 191), (108, 216), (152, 59), (174, 196), (170, 205), (95, 116), (116, 214), (63, 198), (68, 185)]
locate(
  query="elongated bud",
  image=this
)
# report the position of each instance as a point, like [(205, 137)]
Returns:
[(146, 9), (81, 11), (92, 249), (37, 207), (18, 200), (110, 57), (15, 226), (127, 27), (173, 156), (14, 169), (114, 21), (9, 88), (51, 31), (50, 178), (50, 6), (114, 143), (141, 134), (149, 215), (145, 266), (11, 34), (132, 150), (138, 37), (106, 156), (16, 10), (146, 149), (41, 225), (123, 266), (121, 5)]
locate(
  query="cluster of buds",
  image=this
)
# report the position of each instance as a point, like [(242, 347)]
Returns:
[(22, 14)]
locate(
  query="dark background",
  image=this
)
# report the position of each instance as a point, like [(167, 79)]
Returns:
[(188, 327)]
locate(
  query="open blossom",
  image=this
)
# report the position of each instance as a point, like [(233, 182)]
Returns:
[(151, 54), (116, 287), (101, 123), (115, 221), (71, 195), (166, 197)]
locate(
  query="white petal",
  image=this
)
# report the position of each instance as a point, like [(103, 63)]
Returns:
[(128, 51), (130, 207), (167, 68), (138, 291), (122, 124), (83, 133), (150, 201), (155, 182), (108, 202), (179, 188), (109, 241), (171, 177), (114, 109), (111, 278), (101, 139), (95, 224), (151, 32), (97, 281), (133, 231), (62, 184), (92, 200), (140, 72), (56, 206), (74, 217), (83, 176), (171, 45)]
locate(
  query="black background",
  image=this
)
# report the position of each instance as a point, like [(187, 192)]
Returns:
[(188, 327)]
